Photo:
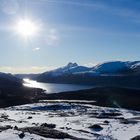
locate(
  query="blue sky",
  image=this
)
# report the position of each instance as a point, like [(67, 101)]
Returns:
[(82, 31)]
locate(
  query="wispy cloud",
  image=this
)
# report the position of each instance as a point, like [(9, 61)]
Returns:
[(101, 6), (94, 5), (36, 49), (90, 64), (30, 69), (101, 31), (9, 7), (126, 12), (52, 37)]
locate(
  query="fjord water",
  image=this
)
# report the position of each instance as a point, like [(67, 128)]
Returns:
[(54, 88)]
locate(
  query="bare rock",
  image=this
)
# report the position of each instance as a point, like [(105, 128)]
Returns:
[(96, 127), (21, 135), (30, 117), (136, 138), (48, 125), (49, 133)]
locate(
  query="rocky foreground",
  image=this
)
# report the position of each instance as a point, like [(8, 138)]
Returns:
[(76, 120)]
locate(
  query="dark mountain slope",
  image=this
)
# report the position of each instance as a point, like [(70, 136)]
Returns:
[(104, 96), (12, 92)]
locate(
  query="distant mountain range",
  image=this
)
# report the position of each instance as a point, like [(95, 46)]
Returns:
[(107, 68), (114, 73), (117, 75)]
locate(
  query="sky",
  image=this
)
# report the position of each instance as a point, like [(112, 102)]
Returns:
[(82, 31)]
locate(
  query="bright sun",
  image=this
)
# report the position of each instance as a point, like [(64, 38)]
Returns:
[(26, 27)]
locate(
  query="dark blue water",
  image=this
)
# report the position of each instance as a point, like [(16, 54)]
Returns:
[(55, 88)]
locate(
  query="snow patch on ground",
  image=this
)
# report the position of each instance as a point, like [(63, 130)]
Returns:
[(73, 118)]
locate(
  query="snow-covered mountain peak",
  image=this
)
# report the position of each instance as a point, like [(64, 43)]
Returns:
[(111, 66), (70, 68), (135, 65), (70, 65)]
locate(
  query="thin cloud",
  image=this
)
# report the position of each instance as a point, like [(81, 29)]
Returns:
[(30, 69), (90, 64), (97, 30), (9, 7), (74, 3), (123, 12), (52, 37), (36, 49)]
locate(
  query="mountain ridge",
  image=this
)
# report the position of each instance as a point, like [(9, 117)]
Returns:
[(116, 73), (112, 73), (110, 67)]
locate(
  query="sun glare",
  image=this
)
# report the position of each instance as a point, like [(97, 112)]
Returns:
[(26, 28)]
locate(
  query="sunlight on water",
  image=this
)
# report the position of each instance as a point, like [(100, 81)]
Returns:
[(54, 88), (30, 83), (35, 84)]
